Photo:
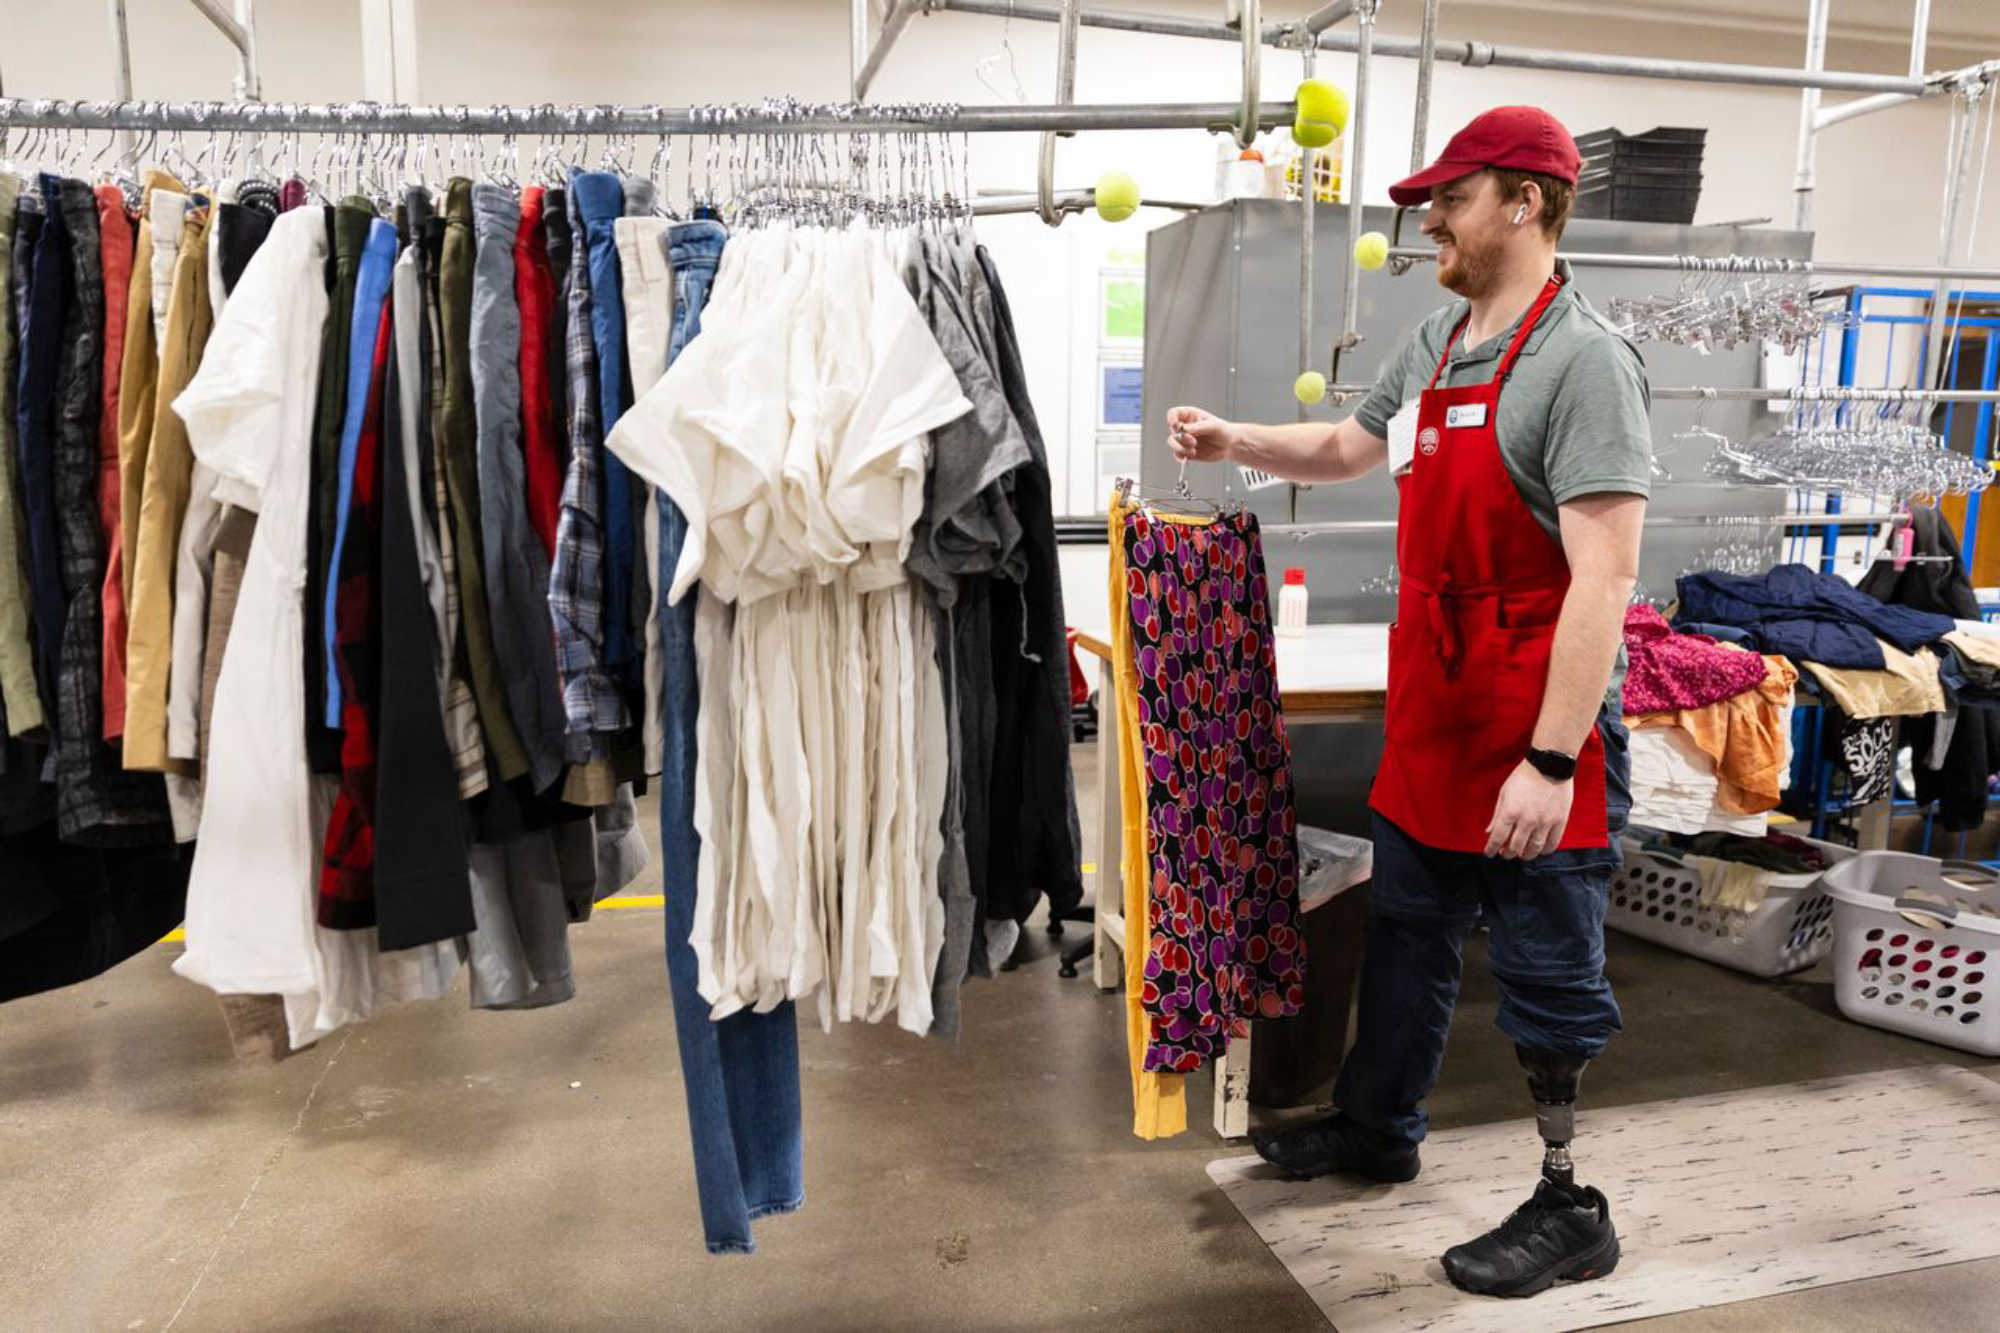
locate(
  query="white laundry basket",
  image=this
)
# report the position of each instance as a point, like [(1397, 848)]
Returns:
[(1658, 898), (1917, 947)]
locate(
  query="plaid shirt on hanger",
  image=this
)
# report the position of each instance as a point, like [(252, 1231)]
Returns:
[(461, 710), (591, 701)]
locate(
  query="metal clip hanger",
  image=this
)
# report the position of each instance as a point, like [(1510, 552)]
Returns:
[(1179, 498)]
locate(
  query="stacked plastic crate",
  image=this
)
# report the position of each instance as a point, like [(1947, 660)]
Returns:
[(1650, 177)]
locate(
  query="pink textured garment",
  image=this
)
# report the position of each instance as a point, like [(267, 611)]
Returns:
[(116, 244), (1665, 670)]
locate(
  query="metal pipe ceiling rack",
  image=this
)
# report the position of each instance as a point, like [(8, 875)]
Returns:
[(838, 118), (1750, 393), (1403, 256), (1332, 526), (1475, 55)]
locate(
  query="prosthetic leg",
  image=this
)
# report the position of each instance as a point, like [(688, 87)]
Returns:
[(1564, 1232), (1553, 1079)]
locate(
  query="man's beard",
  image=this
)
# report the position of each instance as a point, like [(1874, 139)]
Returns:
[(1472, 273)]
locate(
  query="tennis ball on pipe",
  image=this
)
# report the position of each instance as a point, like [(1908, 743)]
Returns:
[(1371, 251), (1321, 114), (1309, 388), (1117, 196)]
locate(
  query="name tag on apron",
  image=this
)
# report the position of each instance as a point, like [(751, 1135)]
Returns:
[(1465, 414), (1403, 439)]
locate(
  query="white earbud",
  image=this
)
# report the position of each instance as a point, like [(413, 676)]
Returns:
[(1520, 215)]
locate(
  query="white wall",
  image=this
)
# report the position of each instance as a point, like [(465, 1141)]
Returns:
[(1880, 177)]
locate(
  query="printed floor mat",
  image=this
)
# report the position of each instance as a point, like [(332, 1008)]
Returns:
[(1717, 1199)]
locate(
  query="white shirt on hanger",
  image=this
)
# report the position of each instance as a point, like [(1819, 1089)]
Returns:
[(249, 417), (252, 892), (793, 434), (648, 286)]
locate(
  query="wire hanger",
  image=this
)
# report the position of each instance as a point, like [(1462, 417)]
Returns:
[(1180, 498)]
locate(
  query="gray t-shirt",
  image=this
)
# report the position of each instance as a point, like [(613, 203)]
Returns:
[(1573, 417)]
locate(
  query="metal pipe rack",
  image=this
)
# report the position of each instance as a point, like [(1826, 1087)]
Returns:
[(1750, 393), (383, 118), (1300, 531), (1357, 152), (1045, 170), (240, 28), (1326, 16), (1403, 256), (1475, 55), (899, 15)]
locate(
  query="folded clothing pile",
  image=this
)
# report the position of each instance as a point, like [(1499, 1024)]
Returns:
[(1711, 765), (1666, 670), (1807, 616), (1735, 869), (1674, 785)]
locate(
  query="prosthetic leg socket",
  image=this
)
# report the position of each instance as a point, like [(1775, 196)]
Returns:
[(1553, 1079)]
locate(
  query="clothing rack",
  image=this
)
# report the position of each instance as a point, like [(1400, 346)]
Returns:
[(1750, 393), (771, 117), (1402, 257), (1301, 531), (1827, 393), (767, 118)]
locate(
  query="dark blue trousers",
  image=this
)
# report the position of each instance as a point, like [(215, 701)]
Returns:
[(1546, 950)]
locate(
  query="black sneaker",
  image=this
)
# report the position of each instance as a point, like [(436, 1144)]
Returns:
[(1561, 1233), (1336, 1144)]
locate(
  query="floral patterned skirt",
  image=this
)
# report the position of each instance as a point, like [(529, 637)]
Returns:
[(1222, 848)]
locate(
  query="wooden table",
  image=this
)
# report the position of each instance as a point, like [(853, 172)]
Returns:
[(1331, 673)]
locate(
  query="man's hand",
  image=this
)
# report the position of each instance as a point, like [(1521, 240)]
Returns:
[(1200, 437), (1530, 815)]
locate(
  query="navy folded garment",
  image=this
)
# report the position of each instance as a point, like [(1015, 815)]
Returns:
[(1807, 616), (1720, 633)]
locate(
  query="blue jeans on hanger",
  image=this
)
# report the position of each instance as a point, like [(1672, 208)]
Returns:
[(742, 1073), (600, 200)]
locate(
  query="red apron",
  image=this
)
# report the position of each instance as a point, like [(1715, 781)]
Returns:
[(1482, 587)]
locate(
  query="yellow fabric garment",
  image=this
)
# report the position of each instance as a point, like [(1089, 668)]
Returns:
[(138, 376), (162, 504), (138, 381), (1748, 737), (1159, 1101), (1907, 686)]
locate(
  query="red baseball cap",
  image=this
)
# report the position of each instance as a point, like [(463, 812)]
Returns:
[(1522, 138)]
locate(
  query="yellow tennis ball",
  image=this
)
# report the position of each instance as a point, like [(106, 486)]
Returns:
[(1321, 114), (1117, 196), (1372, 250), (1309, 387)]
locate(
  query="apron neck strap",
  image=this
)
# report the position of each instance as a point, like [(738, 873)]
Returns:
[(1533, 317), (1521, 334)]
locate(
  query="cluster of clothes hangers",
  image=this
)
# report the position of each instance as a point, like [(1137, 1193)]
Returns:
[(1178, 498), (1892, 451), (1713, 309), (899, 178)]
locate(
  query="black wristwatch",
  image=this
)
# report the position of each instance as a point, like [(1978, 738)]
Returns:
[(1553, 764)]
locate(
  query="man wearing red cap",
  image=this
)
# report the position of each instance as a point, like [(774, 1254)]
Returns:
[(1515, 423)]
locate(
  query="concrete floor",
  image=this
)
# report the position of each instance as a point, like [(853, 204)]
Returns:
[(436, 1168)]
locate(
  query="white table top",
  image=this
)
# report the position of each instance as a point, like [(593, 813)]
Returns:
[(1326, 659), (1330, 658)]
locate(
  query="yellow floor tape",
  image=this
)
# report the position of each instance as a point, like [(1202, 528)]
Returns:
[(178, 936)]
